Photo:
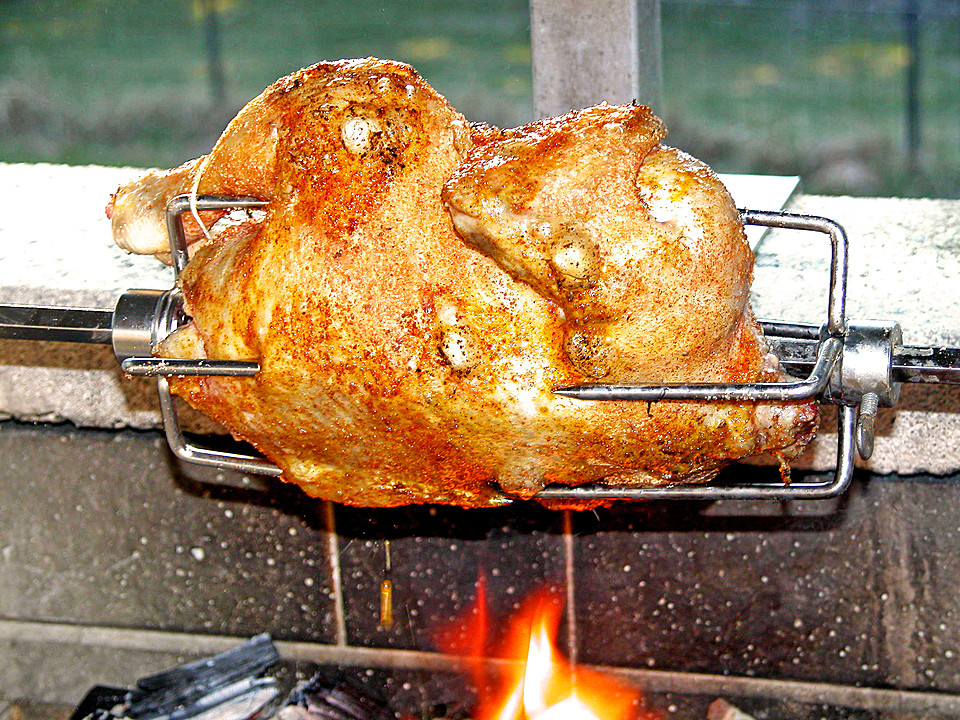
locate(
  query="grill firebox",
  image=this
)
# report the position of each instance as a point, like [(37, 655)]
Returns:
[(771, 603)]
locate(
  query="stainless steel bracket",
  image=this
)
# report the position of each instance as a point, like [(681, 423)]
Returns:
[(832, 337), (168, 318)]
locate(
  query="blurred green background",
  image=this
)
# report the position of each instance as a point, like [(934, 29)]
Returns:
[(815, 88)]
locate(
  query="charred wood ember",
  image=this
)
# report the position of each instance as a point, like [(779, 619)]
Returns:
[(325, 699), (184, 691), (228, 686), (721, 709), (100, 703)]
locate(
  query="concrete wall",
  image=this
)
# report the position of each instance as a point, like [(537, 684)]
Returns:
[(115, 561)]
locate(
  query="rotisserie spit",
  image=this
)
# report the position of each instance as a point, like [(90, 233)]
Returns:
[(397, 307)]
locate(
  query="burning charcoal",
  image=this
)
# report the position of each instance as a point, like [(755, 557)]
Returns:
[(294, 712), (322, 699), (196, 687), (246, 700), (228, 686), (100, 703), (720, 709)]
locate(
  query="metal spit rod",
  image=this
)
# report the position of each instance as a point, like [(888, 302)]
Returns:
[(910, 363), (63, 324), (857, 365)]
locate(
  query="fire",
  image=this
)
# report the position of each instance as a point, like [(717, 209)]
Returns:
[(537, 683)]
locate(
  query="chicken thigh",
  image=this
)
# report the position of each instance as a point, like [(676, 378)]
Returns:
[(416, 287)]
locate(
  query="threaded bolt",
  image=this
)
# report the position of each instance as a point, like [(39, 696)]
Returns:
[(869, 404)]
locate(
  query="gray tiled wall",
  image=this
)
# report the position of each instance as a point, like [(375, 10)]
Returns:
[(101, 529)]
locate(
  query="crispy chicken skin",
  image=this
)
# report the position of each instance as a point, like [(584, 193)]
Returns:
[(416, 287)]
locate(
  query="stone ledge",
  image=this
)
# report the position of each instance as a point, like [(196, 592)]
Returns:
[(904, 265), (57, 250)]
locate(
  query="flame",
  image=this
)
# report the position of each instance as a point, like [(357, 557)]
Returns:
[(538, 683)]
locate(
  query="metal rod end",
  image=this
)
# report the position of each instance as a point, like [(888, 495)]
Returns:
[(610, 392), (575, 391)]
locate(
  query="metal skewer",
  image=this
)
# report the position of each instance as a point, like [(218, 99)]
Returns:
[(60, 324), (857, 365), (911, 363)]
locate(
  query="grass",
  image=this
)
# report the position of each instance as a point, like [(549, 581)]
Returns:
[(763, 86), (116, 82), (815, 89)]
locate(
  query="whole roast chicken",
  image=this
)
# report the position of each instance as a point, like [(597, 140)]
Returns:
[(416, 287)]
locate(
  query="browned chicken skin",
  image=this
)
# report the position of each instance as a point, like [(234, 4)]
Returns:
[(417, 287)]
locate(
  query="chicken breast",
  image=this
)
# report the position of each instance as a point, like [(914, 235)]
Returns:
[(417, 287)]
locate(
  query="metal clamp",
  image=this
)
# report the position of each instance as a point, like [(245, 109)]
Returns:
[(843, 475), (828, 351), (832, 336), (865, 375), (139, 336)]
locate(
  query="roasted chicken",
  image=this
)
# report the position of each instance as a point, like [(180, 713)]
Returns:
[(416, 287)]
